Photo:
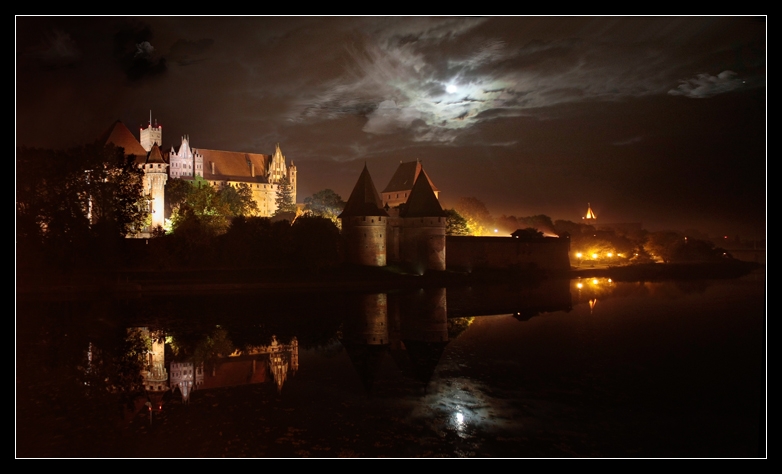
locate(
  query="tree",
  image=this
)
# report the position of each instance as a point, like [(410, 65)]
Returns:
[(284, 200), (202, 207), (325, 203), (663, 244), (540, 222), (315, 242), (238, 199), (69, 200), (529, 233), (479, 219), (455, 223)]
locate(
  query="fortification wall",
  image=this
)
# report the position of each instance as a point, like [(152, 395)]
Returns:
[(467, 253)]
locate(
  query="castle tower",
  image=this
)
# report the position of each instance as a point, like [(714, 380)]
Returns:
[(151, 135), (364, 224), (422, 239), (590, 217), (154, 183)]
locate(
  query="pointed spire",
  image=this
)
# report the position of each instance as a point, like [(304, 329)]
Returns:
[(155, 155), (590, 215), (364, 200), (422, 201)]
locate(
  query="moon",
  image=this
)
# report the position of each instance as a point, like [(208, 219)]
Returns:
[(450, 88)]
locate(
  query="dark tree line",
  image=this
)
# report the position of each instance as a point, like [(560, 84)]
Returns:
[(75, 206)]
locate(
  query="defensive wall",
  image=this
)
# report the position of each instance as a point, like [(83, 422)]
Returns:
[(467, 253)]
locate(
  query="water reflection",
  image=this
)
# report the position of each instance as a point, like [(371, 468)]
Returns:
[(507, 371)]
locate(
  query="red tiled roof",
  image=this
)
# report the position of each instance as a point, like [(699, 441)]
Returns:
[(405, 176), (235, 165), (119, 135)]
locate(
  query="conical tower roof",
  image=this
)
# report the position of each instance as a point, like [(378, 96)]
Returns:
[(155, 155), (364, 200), (119, 135), (422, 201)]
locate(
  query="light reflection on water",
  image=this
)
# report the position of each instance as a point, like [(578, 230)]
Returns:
[(600, 369)]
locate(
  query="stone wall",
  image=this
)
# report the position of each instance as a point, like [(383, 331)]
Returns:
[(467, 253)]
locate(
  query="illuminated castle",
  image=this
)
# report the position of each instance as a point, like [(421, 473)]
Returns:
[(411, 234), (263, 173)]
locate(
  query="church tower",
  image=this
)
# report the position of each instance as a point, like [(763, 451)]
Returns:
[(151, 135), (590, 218), (364, 224)]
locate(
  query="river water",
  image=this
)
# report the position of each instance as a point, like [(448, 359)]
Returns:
[(561, 368)]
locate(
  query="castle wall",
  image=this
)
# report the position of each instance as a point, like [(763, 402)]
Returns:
[(264, 195), (466, 253)]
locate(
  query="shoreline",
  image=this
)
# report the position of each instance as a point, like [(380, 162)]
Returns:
[(138, 283)]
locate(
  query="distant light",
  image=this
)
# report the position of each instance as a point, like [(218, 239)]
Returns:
[(450, 88), (594, 256), (495, 231)]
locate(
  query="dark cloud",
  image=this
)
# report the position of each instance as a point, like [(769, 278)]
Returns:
[(135, 53), (60, 50)]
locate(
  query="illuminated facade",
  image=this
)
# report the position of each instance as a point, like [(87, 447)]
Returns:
[(261, 172)]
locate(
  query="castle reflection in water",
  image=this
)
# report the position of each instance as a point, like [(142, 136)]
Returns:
[(411, 327)]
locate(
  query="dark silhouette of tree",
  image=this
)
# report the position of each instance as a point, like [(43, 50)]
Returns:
[(249, 242), (325, 203), (663, 244), (315, 242), (540, 222), (284, 200), (530, 233), (176, 194), (72, 203), (455, 223)]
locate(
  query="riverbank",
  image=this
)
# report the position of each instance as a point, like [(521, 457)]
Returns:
[(135, 283)]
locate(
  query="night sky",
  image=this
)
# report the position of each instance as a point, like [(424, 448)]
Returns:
[(658, 120)]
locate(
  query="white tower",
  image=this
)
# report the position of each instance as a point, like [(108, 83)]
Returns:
[(151, 135)]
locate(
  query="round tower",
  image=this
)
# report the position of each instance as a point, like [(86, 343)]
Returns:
[(154, 182), (364, 224)]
